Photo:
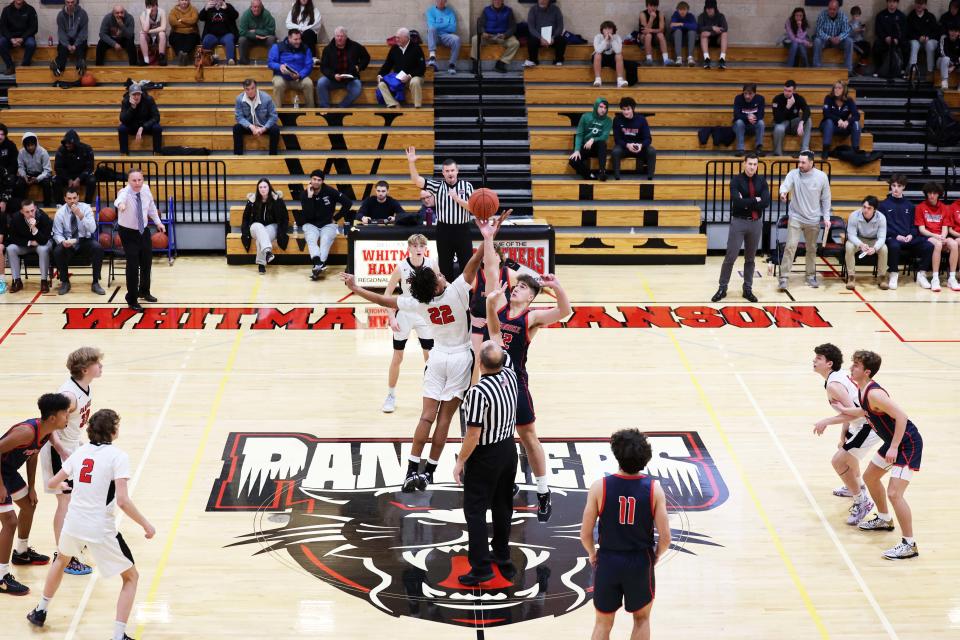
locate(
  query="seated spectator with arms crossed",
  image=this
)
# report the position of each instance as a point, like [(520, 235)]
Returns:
[(257, 26), (184, 34)]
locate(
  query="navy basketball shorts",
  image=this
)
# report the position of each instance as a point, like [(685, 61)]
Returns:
[(16, 488), (908, 457), (623, 579), (525, 413)]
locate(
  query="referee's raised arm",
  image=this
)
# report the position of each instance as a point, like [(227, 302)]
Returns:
[(414, 174)]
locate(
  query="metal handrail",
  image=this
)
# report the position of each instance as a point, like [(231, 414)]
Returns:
[(913, 86), (482, 164)]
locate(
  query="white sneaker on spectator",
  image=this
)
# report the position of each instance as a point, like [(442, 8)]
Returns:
[(691, 62), (893, 280), (558, 63), (679, 62), (529, 63), (432, 62), (943, 85), (935, 283), (452, 69), (953, 284), (922, 280), (621, 83), (597, 82), (390, 403)]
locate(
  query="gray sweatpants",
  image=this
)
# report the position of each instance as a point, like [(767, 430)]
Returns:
[(43, 252), (748, 233), (264, 237), (320, 239)]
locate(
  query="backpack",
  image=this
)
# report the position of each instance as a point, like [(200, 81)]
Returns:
[(942, 129)]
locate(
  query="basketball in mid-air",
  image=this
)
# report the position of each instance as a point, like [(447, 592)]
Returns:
[(484, 203), (108, 214)]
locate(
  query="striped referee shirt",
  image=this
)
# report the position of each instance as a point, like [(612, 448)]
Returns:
[(449, 210), (491, 404)]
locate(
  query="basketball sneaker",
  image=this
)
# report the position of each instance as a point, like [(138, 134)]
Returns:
[(10, 586), (516, 489), (935, 283), (876, 523), (843, 492), (77, 568), (29, 557), (424, 480), (922, 280), (389, 404), (902, 551), (37, 617), (544, 507), (859, 511), (411, 481)]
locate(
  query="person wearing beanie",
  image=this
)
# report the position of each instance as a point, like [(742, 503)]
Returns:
[(138, 116), (712, 26), (33, 167)]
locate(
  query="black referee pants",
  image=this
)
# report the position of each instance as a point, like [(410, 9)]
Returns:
[(488, 478), (453, 240)]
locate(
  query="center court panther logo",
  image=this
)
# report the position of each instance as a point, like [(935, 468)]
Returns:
[(343, 519)]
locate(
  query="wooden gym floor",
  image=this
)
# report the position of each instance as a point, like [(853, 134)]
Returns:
[(727, 390)]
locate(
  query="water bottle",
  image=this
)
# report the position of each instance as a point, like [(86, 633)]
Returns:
[(429, 217), (50, 41), (296, 101)]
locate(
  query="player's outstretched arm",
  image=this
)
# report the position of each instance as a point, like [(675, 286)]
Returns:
[(563, 309), (488, 227), (389, 302), (127, 506), (590, 514), (391, 287), (495, 301)]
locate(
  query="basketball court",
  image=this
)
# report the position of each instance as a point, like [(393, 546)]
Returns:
[(251, 413)]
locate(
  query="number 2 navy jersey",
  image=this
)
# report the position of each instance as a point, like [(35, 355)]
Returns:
[(626, 514), (515, 333), (13, 460)]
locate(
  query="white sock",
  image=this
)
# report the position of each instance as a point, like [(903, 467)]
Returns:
[(908, 540), (433, 54), (619, 79), (723, 56), (542, 486), (119, 630), (413, 458), (44, 603), (706, 56), (666, 56), (649, 57), (885, 517), (862, 496), (391, 391), (21, 545), (4, 570), (597, 79), (953, 274), (433, 462)]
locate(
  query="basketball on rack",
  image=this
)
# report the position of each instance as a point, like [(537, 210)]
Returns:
[(484, 203), (105, 239)]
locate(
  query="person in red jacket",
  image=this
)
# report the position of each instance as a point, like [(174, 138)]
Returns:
[(933, 218)]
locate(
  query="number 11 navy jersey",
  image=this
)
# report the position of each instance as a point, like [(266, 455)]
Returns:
[(626, 514)]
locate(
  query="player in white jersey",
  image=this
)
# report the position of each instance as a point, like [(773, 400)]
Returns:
[(857, 439), (85, 365), (402, 322), (446, 306), (100, 472)]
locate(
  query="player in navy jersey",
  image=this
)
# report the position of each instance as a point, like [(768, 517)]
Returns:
[(517, 324), (629, 506), (899, 454), (18, 446), (478, 306)]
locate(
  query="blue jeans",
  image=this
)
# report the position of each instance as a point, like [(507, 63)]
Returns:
[(210, 41), (325, 84), (846, 43), (830, 129), (29, 46), (741, 128), (797, 49), (450, 40)]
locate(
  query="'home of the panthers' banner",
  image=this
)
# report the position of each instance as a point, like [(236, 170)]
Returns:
[(345, 520)]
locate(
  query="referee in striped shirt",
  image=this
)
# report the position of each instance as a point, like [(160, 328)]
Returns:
[(453, 214), (488, 462)]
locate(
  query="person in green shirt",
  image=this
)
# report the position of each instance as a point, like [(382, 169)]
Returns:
[(591, 141), (257, 27)]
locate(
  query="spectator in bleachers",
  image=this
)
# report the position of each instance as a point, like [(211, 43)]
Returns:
[(30, 231), (683, 26), (291, 62), (72, 33), (833, 30), (902, 233), (545, 15), (257, 26), (9, 164), (340, 64), (608, 52), (858, 31), (18, 28), (4, 223), (184, 34), (256, 115), (73, 168), (320, 219), (866, 236), (631, 137), (593, 130), (810, 204), (949, 54), (840, 117), (380, 206), (305, 17), (220, 27), (796, 38), (653, 25), (950, 16), (139, 115), (933, 218), (406, 62), (791, 115), (923, 32), (75, 234), (713, 33), (118, 32), (265, 219), (749, 197), (497, 26), (889, 29), (748, 110), (33, 167), (153, 33), (442, 27), (428, 208)]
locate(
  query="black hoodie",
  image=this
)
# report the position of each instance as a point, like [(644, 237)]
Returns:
[(77, 163), (18, 23), (8, 154)]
